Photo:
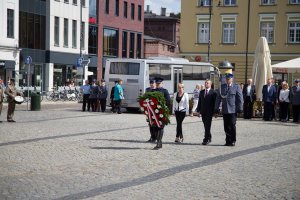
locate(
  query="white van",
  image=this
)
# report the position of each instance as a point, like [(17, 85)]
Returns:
[(136, 74)]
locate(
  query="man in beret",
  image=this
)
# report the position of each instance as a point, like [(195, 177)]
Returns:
[(231, 96), (165, 92), (295, 100)]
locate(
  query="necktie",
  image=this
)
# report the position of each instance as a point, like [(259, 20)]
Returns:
[(205, 93)]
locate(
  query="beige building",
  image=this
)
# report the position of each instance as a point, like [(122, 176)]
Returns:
[(236, 26)]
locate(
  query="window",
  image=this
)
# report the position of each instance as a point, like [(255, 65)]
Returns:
[(228, 32), (267, 31), (294, 32), (124, 68), (139, 12), (195, 73), (93, 39), (66, 1), (294, 1), (82, 35), (75, 2), (125, 8), (204, 2), (93, 14), (203, 32), (267, 2), (124, 44), (139, 46), (117, 7), (131, 46), (32, 31), (132, 11), (160, 70), (66, 32), (229, 2), (110, 42), (10, 23), (83, 3), (106, 7), (74, 33), (56, 31)]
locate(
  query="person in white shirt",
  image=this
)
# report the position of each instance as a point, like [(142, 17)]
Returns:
[(284, 102), (180, 109), (196, 93)]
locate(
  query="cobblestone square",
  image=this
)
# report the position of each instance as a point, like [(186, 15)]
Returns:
[(63, 153)]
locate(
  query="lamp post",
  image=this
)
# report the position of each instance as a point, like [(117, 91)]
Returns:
[(208, 46)]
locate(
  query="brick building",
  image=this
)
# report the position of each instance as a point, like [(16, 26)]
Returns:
[(158, 47), (164, 27), (120, 30)]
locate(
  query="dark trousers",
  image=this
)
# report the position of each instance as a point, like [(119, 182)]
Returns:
[(86, 100), (159, 135), (153, 132), (283, 111), (103, 105), (11, 110), (296, 113), (230, 127), (248, 108), (93, 103), (207, 126), (117, 104), (179, 119), (268, 111)]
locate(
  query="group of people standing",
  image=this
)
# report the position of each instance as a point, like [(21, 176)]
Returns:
[(281, 95), (94, 96)]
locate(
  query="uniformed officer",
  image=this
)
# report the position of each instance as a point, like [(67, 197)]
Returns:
[(11, 93), (165, 92), (295, 100), (151, 128), (231, 96)]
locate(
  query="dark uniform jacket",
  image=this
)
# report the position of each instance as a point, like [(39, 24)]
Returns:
[(295, 95), (166, 95)]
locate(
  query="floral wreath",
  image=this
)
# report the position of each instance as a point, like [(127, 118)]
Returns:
[(153, 105)]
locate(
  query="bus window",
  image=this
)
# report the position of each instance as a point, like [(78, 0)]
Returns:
[(196, 72), (160, 70), (124, 68)]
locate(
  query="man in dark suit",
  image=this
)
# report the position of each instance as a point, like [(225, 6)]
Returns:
[(205, 108), (249, 95), (295, 100), (230, 94), (269, 95)]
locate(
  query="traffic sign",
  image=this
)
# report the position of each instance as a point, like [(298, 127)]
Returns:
[(28, 60), (79, 62)]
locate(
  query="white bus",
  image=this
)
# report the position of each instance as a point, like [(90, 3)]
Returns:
[(136, 74)]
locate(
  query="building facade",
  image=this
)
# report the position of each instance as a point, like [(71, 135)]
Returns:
[(156, 47), (9, 39), (120, 30), (164, 27), (233, 28)]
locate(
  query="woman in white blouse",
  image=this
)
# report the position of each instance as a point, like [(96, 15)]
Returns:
[(180, 109), (284, 102)]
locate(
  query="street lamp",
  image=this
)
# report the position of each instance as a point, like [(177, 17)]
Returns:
[(209, 2)]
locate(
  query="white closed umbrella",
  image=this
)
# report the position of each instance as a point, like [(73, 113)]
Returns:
[(262, 69)]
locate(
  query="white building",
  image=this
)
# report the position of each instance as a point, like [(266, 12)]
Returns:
[(63, 31), (9, 39)]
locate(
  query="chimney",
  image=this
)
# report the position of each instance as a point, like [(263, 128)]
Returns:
[(163, 11), (148, 9)]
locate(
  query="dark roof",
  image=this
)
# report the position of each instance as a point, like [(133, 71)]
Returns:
[(152, 16)]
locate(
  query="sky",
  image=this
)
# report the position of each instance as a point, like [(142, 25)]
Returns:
[(171, 5)]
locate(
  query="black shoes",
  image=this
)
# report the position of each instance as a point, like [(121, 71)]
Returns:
[(157, 147), (11, 120), (152, 140), (206, 142)]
